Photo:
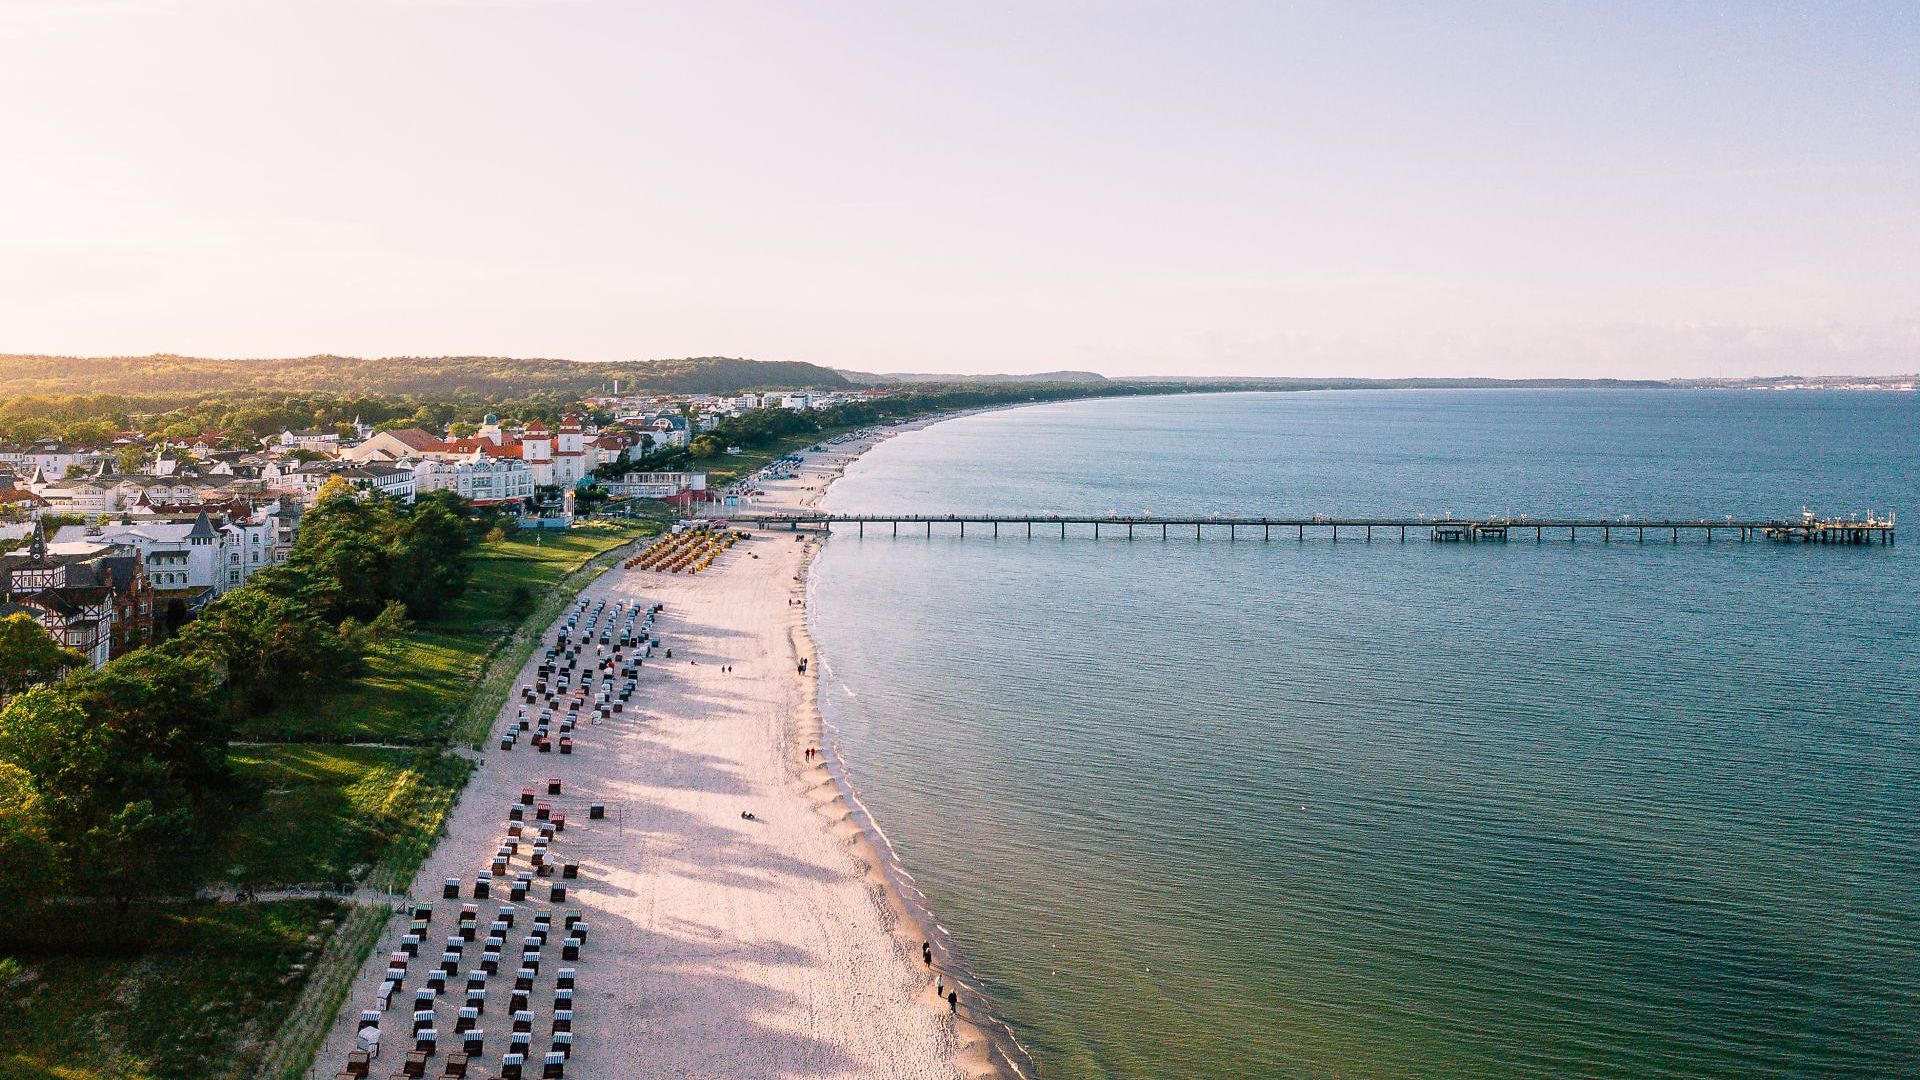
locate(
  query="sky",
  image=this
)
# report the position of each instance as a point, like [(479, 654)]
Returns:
[(1182, 188)]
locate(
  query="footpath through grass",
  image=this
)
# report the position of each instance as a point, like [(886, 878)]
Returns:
[(237, 990)]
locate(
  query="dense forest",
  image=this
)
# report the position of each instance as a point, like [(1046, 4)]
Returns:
[(439, 377), (90, 401)]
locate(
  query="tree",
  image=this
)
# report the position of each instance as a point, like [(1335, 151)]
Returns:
[(131, 458), (383, 631), (460, 429), (31, 429), (26, 850), (139, 849), (46, 734), (271, 646), (336, 487), (90, 432), (429, 569), (708, 446), (160, 708), (28, 655)]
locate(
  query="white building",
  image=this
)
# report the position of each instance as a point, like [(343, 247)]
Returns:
[(247, 547), (484, 480), (573, 458), (320, 442), (388, 480), (179, 555), (656, 485), (189, 557), (52, 460)]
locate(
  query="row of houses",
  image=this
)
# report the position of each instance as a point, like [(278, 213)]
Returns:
[(101, 589), (561, 457), (54, 459), (177, 485), (709, 409)]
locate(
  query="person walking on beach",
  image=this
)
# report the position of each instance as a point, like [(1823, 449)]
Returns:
[(926, 953), (953, 1002)]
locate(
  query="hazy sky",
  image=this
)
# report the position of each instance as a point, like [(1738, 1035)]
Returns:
[(1188, 188)]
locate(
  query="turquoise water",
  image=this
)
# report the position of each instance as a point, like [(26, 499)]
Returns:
[(1403, 810)]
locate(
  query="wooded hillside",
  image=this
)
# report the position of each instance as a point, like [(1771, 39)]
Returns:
[(404, 376)]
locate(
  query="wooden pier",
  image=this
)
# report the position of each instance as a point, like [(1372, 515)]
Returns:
[(1806, 529)]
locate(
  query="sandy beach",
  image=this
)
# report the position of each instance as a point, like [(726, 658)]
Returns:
[(719, 946)]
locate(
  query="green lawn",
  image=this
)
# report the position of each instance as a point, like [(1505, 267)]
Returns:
[(368, 814), (190, 992), (416, 693), (337, 813), (408, 695)]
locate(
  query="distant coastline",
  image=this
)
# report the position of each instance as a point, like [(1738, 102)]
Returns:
[(163, 379)]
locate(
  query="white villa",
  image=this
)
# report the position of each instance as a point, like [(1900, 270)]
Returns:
[(484, 480)]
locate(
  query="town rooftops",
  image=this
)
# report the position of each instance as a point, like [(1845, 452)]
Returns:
[(415, 438), (507, 447)]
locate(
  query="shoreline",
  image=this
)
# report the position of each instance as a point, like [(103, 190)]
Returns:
[(724, 944), (990, 1050)]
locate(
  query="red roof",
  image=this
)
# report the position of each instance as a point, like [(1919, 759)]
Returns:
[(508, 448)]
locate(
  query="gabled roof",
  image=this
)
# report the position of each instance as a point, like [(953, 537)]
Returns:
[(415, 438), (508, 447), (68, 601)]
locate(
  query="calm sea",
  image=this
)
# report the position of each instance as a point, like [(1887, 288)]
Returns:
[(1212, 809)]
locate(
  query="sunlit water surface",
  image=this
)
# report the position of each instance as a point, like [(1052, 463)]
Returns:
[(1258, 809)]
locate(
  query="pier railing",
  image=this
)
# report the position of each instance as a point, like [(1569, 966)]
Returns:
[(1805, 529)]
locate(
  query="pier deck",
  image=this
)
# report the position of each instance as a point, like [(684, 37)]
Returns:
[(1805, 529)]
